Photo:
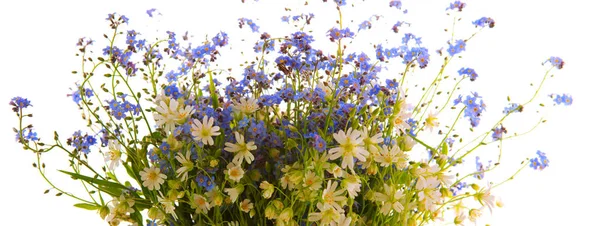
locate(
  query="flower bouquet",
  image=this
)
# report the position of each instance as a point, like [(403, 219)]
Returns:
[(298, 135)]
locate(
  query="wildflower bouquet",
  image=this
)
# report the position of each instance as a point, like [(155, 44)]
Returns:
[(300, 136)]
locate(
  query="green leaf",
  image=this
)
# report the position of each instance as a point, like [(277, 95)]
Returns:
[(87, 206), (104, 183), (445, 149)]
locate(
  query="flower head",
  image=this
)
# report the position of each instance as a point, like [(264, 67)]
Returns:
[(350, 148), (113, 156), (242, 149), (152, 178), (204, 131)]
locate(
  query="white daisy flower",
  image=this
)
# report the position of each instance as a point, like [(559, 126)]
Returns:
[(246, 106), (186, 165), (350, 148), (246, 205), (183, 113), (352, 184), (312, 181), (242, 149), (233, 193), (327, 215), (370, 143), (431, 121), (235, 172), (200, 204), (390, 198), (333, 197), (152, 178), (388, 157), (204, 131), (267, 188), (113, 156), (166, 114)]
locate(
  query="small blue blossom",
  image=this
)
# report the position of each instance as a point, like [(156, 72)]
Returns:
[(19, 103), (540, 162), (21, 137), (364, 25), (512, 107), (206, 182), (457, 5), (395, 4), (484, 21), (165, 148), (319, 143), (556, 62), (458, 47), (458, 100), (249, 22), (468, 72), (562, 99), (497, 133), (150, 12)]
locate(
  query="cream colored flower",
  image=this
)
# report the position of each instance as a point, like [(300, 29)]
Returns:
[(327, 215), (431, 121), (246, 206), (235, 172), (152, 178), (350, 148), (474, 214), (429, 194), (333, 197), (113, 156), (312, 181), (186, 165), (336, 170), (233, 193), (200, 204), (352, 185), (183, 113), (120, 208), (215, 197), (390, 198), (204, 131), (370, 143), (267, 188), (246, 106), (485, 197), (167, 115), (168, 204), (242, 149), (388, 157)]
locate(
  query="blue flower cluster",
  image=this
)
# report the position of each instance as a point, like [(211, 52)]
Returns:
[(19, 103), (484, 21), (457, 48), (81, 142), (562, 99), (468, 72), (540, 162), (119, 109), (474, 108), (556, 62)]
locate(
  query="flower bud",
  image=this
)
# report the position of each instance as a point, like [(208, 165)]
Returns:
[(103, 211), (155, 214), (475, 187), (271, 212)]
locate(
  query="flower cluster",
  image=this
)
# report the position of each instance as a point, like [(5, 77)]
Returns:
[(298, 136)]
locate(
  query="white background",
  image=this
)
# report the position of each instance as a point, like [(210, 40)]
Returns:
[(38, 45)]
